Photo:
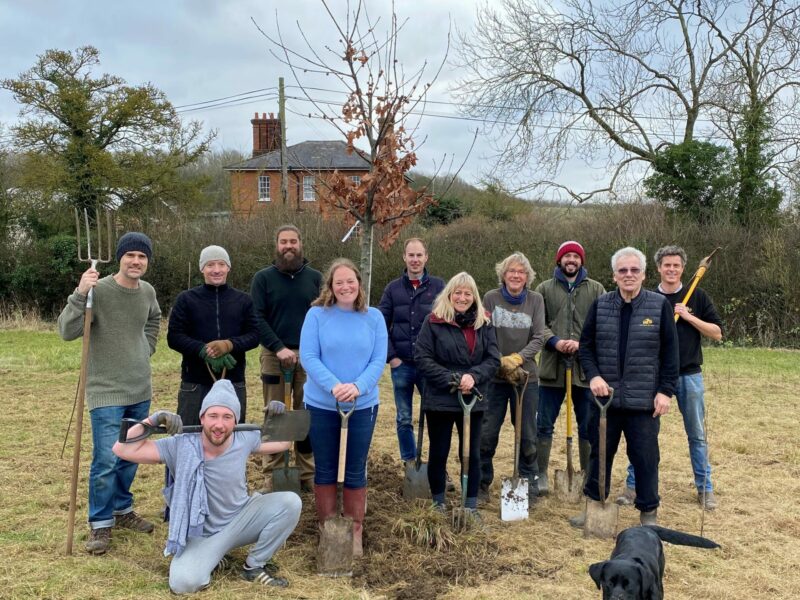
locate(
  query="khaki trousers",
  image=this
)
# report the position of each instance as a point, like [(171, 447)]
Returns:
[(273, 386)]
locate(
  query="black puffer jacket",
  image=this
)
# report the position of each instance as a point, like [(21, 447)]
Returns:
[(441, 350)]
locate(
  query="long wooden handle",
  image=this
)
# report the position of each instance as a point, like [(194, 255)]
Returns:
[(342, 453), (76, 452)]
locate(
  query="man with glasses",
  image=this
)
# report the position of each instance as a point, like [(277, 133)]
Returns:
[(629, 343), (698, 318)]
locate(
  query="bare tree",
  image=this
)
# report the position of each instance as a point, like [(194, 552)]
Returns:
[(377, 113), (616, 80)]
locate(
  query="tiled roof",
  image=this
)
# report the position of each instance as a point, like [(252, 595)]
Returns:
[(307, 156)]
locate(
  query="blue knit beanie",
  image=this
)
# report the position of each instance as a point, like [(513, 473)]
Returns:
[(133, 241), (222, 394)]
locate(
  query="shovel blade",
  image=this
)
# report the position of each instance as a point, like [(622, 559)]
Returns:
[(566, 492), (415, 482), (513, 499), (601, 519), (335, 551), (290, 426), (286, 480)]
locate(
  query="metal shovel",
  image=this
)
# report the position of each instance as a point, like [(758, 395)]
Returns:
[(568, 487), (514, 490), (461, 514), (415, 483), (287, 479), (601, 517), (335, 551), (280, 429)]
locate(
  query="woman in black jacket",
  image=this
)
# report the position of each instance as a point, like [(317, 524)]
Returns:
[(456, 348)]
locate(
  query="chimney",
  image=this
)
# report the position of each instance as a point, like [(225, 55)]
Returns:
[(266, 134)]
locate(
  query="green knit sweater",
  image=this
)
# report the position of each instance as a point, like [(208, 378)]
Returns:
[(125, 326)]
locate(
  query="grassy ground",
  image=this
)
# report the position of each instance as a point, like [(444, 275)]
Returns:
[(756, 460)]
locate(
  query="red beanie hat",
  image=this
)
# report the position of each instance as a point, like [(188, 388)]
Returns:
[(570, 246)]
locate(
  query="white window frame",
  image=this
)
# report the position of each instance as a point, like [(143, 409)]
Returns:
[(309, 193), (264, 190), (356, 179)]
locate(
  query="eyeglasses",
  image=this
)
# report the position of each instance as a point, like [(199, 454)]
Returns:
[(516, 272), (626, 270)]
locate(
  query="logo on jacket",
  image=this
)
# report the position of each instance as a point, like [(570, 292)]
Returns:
[(647, 322)]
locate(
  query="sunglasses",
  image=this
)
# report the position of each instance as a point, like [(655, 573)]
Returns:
[(626, 270)]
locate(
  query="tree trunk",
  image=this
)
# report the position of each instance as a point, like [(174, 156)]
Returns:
[(367, 233)]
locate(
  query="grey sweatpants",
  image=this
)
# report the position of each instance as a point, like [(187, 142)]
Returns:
[(266, 521)]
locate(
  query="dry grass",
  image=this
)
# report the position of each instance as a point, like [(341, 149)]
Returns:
[(756, 459)]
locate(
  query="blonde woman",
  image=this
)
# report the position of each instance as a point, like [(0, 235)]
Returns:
[(456, 347), (343, 350)]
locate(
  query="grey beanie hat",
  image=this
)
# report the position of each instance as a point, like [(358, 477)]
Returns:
[(210, 253), (222, 394), (134, 241)]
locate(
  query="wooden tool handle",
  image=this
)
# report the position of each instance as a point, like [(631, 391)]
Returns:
[(342, 454)]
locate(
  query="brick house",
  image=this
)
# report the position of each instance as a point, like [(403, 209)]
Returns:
[(256, 182)]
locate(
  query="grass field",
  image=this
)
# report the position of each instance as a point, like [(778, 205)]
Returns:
[(753, 416)]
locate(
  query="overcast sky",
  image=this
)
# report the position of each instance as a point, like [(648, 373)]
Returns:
[(201, 50)]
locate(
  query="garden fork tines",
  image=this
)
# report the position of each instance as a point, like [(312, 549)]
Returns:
[(102, 251)]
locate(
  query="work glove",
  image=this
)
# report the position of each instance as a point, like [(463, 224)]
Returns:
[(511, 361), (275, 407), (229, 361), (220, 347), (216, 364), (169, 421)]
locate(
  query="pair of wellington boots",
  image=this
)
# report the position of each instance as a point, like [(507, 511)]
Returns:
[(543, 446), (354, 504)]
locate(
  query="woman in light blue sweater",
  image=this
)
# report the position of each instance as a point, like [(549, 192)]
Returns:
[(343, 351)]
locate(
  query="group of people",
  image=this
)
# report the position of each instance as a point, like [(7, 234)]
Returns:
[(318, 335)]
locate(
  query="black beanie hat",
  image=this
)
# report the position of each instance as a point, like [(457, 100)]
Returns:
[(133, 241)]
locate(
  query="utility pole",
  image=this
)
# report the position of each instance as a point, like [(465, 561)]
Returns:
[(284, 164)]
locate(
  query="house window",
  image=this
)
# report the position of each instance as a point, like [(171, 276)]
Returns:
[(263, 188), (356, 179), (309, 195)]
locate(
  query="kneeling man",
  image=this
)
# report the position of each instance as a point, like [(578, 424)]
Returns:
[(211, 512)]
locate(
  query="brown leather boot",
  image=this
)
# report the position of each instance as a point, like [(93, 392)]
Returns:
[(325, 500), (355, 505)]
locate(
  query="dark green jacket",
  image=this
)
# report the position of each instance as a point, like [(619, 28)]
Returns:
[(564, 315)]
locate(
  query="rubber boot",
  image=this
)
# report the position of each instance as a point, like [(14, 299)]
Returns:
[(543, 446), (355, 505), (584, 450), (325, 500)]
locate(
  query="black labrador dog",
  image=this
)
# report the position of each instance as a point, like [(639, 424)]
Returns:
[(636, 566)]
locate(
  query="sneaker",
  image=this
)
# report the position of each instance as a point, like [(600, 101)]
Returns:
[(133, 521), (708, 502), (439, 508), (450, 486), (649, 517), (99, 540), (627, 497), (260, 575), (475, 516)]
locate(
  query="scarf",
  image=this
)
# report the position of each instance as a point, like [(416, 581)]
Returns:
[(511, 299)]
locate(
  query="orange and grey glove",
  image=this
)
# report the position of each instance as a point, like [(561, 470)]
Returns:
[(510, 362), (220, 347)]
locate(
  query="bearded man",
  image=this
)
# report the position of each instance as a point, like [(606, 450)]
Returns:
[(282, 294)]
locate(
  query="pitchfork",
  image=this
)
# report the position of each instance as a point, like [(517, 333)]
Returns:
[(102, 254)]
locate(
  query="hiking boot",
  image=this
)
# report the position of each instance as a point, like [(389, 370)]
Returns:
[(307, 486), (708, 502), (260, 575), (133, 521), (449, 486), (649, 517), (533, 495), (483, 495), (579, 520), (99, 540), (543, 446), (627, 497)]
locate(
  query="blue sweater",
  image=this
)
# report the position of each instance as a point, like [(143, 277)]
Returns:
[(338, 346)]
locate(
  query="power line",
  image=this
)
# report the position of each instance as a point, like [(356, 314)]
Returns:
[(227, 97)]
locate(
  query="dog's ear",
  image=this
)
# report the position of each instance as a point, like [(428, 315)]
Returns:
[(596, 572), (651, 588)]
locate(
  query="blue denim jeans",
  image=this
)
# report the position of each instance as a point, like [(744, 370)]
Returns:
[(404, 378), (693, 408), (324, 435), (501, 396), (550, 401), (110, 477)]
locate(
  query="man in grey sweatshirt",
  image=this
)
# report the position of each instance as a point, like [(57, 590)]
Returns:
[(124, 330)]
